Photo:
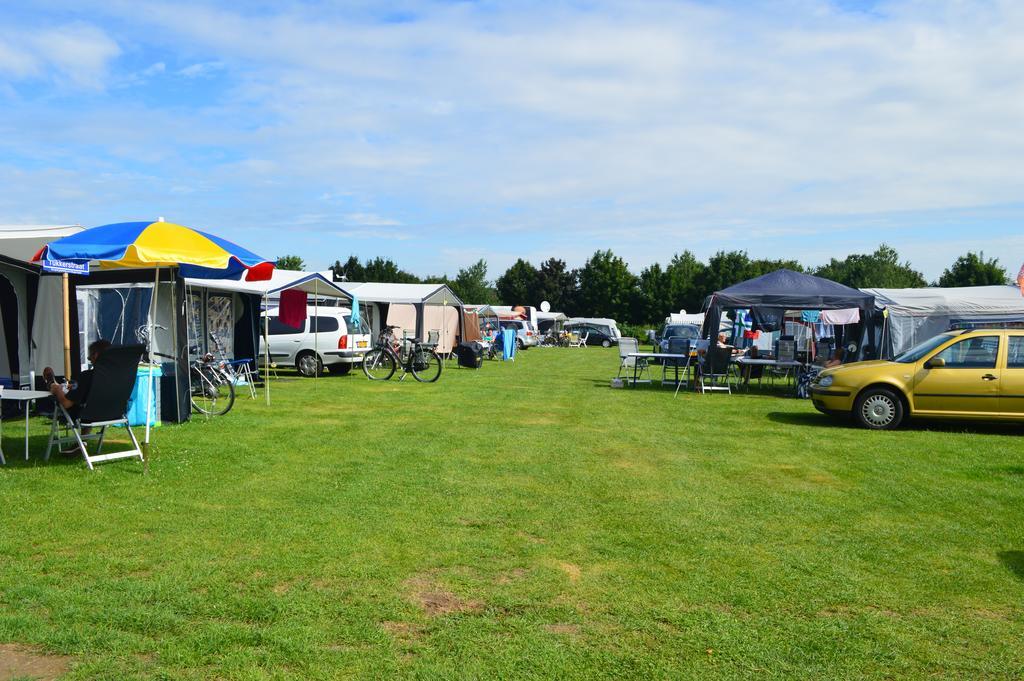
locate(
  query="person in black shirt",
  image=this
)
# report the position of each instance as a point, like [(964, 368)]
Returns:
[(73, 400)]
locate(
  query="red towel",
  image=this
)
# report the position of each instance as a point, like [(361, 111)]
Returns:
[(292, 309)]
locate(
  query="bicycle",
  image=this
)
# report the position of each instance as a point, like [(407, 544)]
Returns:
[(212, 387), (389, 353)]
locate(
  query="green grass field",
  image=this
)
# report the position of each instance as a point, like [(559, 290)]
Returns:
[(523, 521)]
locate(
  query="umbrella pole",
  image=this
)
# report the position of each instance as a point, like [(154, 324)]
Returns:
[(67, 326), (152, 323), (266, 347), (315, 327)]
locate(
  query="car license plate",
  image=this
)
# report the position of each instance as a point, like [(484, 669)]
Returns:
[(362, 344)]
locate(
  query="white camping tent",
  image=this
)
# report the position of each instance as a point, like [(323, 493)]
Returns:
[(24, 241), (415, 308), (912, 315)]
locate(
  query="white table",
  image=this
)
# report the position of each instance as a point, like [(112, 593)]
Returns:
[(652, 355), (25, 396)]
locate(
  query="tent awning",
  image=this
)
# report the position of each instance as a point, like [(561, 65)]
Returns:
[(413, 294), (312, 283)]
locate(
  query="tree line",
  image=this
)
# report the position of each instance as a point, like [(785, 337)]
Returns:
[(605, 286)]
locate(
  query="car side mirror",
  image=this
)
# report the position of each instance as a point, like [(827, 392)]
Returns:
[(935, 363)]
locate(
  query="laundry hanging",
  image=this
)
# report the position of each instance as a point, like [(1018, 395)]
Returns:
[(292, 309), (848, 316)]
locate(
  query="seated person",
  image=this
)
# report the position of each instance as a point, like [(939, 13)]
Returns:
[(73, 400), (722, 343), (836, 359)]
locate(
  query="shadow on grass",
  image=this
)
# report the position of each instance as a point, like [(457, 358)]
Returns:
[(14, 452), (818, 420), (1013, 561), (814, 420)]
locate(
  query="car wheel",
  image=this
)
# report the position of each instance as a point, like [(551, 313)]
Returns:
[(341, 369), (878, 409), (308, 364), (606, 343), (519, 344)]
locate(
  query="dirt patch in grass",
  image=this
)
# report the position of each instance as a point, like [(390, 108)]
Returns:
[(436, 600), (405, 633), (23, 662), (510, 576), (855, 611), (571, 570), (532, 538), (563, 629)]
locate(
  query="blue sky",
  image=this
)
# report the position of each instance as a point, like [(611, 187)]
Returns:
[(437, 133)]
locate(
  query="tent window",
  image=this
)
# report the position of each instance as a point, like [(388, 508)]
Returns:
[(220, 321), (196, 332)]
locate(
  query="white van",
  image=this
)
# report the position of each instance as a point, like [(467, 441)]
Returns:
[(324, 340)]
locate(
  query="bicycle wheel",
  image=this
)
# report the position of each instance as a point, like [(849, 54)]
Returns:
[(378, 365), (212, 392), (425, 365)]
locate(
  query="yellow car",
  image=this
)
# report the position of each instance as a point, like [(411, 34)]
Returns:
[(977, 374)]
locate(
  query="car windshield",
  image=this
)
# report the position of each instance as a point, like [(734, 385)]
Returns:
[(681, 331), (915, 353)]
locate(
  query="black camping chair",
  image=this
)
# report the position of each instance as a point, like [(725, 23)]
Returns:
[(716, 366), (106, 404)]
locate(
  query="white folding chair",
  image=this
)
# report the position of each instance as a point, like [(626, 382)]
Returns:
[(635, 365)]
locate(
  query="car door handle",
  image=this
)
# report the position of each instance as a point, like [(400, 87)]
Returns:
[(988, 377)]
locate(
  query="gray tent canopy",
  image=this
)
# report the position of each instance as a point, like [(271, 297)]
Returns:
[(907, 316), (788, 290)]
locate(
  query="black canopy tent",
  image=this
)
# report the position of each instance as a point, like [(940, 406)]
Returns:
[(790, 290)]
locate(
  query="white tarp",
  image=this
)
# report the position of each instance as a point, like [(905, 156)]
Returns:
[(917, 314), (313, 283), (377, 292), (21, 242)]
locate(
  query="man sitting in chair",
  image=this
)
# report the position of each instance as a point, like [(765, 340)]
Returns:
[(73, 400)]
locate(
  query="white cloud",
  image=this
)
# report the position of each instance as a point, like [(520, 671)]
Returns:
[(76, 54), (200, 70)]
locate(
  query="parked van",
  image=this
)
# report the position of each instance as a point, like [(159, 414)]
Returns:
[(324, 340)]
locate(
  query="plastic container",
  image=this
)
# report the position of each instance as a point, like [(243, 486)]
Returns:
[(137, 403)]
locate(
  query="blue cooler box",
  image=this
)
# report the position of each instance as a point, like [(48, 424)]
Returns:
[(137, 402)]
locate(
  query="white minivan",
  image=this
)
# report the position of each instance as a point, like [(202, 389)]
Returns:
[(324, 340)]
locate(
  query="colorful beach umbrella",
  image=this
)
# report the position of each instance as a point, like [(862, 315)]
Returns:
[(159, 244)]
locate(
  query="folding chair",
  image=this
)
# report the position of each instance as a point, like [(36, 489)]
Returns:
[(635, 365), (676, 346), (106, 405), (786, 353), (242, 370), (716, 366)]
